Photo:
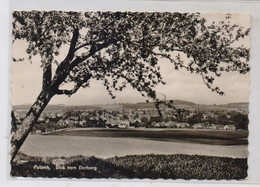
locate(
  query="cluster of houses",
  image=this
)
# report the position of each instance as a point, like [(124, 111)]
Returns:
[(173, 124), (120, 118)]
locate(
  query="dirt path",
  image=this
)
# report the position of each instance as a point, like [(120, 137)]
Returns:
[(103, 147)]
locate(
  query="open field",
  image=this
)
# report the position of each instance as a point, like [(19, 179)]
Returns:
[(212, 137), (105, 147), (134, 153)]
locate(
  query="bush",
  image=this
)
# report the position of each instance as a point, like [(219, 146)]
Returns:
[(151, 166)]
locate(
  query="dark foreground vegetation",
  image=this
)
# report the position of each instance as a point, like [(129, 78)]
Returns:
[(151, 166)]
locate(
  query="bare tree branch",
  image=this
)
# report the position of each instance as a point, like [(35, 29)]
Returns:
[(100, 32), (76, 87), (73, 43), (68, 92), (71, 51), (92, 51)]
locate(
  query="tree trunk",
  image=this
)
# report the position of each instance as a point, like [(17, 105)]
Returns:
[(25, 128), (47, 75)]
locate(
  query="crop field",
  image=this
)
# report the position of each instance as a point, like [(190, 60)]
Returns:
[(215, 137)]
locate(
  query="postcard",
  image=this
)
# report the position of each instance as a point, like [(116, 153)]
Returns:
[(130, 95)]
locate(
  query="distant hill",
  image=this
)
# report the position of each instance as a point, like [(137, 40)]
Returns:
[(143, 105), (111, 106), (58, 107), (182, 102), (49, 107), (242, 104), (21, 107), (83, 107)]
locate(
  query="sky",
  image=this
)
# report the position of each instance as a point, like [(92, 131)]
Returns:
[(27, 79)]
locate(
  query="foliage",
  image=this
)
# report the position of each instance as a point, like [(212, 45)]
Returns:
[(14, 122), (241, 121), (110, 45), (140, 166)]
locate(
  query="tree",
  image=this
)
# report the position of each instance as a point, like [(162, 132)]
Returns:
[(223, 119), (125, 117), (13, 122), (144, 120), (241, 121), (120, 49)]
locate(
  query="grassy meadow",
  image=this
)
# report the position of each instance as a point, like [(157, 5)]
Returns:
[(150, 166)]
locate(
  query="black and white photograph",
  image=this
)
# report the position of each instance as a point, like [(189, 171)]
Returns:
[(130, 95)]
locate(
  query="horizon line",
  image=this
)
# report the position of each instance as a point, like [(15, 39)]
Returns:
[(133, 103)]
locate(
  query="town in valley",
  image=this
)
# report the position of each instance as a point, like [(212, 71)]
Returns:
[(186, 115)]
